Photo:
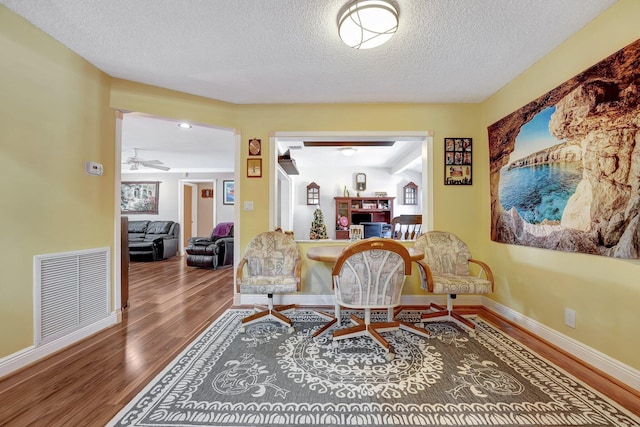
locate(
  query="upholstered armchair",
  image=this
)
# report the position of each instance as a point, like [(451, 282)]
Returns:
[(270, 265), (370, 274), (445, 270), (214, 251)]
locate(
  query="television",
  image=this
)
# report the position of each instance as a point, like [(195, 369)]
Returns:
[(359, 218), (374, 229)]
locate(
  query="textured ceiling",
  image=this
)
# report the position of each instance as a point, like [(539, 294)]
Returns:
[(288, 51)]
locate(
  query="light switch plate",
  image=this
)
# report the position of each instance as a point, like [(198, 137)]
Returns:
[(248, 205)]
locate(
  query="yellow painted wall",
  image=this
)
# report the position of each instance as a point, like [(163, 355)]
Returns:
[(451, 208), (54, 115), (541, 283)]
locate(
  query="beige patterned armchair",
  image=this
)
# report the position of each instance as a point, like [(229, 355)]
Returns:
[(445, 270), (370, 274), (271, 265)]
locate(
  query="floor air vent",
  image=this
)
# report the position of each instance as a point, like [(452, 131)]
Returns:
[(71, 292)]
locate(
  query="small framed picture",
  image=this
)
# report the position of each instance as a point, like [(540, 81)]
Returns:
[(228, 194), (255, 147), (254, 168), (457, 161)]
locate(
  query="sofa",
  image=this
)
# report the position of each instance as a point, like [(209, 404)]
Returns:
[(153, 240), (214, 251)]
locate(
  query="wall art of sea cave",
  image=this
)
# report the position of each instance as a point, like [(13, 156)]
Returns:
[(565, 168)]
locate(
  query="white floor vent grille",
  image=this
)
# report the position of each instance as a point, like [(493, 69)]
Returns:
[(71, 291)]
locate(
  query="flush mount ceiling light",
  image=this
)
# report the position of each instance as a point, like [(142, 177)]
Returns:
[(365, 24), (184, 125), (348, 151)]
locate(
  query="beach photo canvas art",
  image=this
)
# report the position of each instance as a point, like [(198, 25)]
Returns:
[(565, 168)]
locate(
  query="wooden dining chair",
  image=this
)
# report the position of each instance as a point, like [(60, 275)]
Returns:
[(406, 227)]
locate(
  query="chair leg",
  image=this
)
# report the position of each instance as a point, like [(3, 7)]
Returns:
[(326, 316), (408, 327), (364, 327), (270, 312), (449, 314), (332, 318)]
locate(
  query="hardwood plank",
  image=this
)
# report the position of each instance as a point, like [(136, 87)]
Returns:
[(170, 304)]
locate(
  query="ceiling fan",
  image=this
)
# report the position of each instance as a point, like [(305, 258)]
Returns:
[(136, 162)]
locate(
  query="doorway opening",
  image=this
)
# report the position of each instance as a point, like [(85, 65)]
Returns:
[(197, 200)]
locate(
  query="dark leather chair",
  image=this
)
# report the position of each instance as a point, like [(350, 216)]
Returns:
[(214, 251)]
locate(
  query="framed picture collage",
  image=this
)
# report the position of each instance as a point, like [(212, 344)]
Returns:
[(457, 161)]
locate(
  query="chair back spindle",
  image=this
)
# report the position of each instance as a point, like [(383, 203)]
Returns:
[(406, 227)]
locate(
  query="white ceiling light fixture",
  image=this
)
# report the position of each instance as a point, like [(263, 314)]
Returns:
[(348, 151), (184, 125), (365, 24)]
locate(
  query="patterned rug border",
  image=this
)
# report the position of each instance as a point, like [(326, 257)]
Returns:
[(388, 414), (601, 395), (485, 324)]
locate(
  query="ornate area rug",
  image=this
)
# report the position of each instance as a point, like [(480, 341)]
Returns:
[(267, 377)]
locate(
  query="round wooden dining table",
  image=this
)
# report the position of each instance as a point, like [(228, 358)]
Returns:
[(330, 253)]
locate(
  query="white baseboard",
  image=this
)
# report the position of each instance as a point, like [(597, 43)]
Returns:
[(616, 369), (32, 354)]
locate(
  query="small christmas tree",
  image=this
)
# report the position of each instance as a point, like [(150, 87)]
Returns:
[(318, 229)]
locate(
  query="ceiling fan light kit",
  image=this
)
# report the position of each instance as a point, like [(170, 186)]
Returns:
[(365, 24)]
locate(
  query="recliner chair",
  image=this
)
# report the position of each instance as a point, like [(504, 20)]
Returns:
[(214, 251)]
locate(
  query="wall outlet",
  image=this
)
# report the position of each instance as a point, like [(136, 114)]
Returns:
[(570, 317)]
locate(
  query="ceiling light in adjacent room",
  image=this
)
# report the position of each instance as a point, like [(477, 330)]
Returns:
[(365, 24), (348, 151)]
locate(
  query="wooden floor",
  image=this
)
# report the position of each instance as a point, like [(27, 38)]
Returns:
[(170, 304)]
